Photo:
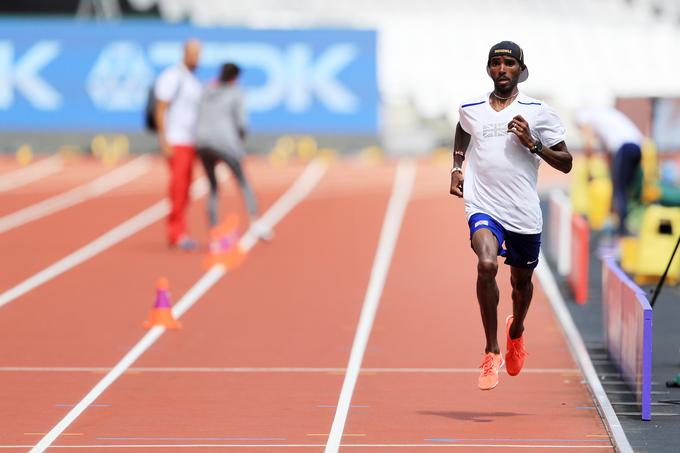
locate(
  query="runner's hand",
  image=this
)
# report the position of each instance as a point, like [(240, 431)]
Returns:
[(520, 128), (457, 184)]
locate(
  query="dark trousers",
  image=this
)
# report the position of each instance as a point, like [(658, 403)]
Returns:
[(625, 165), (210, 158)]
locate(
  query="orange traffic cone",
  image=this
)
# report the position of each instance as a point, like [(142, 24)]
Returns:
[(223, 248), (161, 313)]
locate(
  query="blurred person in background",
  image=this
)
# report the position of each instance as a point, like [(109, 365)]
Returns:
[(621, 140), (178, 92), (220, 137), (506, 135)]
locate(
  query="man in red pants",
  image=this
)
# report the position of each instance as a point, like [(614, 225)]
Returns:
[(178, 93)]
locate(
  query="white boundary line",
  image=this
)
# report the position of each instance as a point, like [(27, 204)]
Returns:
[(112, 237), (105, 183), (298, 191), (580, 353), (103, 242), (33, 172), (401, 191)]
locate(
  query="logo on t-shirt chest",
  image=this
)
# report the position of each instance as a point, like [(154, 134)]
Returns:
[(495, 130)]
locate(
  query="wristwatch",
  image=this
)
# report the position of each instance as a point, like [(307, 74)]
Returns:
[(537, 148)]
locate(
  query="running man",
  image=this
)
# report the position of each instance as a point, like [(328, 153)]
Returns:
[(506, 134)]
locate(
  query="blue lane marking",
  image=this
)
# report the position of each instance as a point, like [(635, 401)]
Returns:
[(471, 104), (241, 439), (528, 103), (461, 439)]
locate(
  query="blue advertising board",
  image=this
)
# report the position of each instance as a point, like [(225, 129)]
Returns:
[(69, 75)]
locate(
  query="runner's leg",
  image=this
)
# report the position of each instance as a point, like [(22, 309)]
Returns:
[(209, 163), (485, 245), (522, 292)]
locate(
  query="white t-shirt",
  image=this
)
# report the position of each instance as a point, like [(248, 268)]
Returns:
[(501, 173), (612, 127), (180, 88)]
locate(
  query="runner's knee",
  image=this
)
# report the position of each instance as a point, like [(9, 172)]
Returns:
[(487, 267)]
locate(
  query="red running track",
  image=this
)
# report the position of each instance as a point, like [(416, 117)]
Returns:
[(260, 362)]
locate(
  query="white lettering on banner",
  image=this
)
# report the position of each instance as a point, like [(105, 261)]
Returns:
[(266, 57), (22, 75), (320, 77), (120, 78), (270, 60), (293, 75)]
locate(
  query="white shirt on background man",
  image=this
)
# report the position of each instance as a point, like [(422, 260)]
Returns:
[(612, 127), (181, 89)]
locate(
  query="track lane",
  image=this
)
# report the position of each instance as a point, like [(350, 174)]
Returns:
[(41, 245), (117, 177), (294, 303), (14, 178), (429, 318), (255, 401), (73, 174), (93, 314), (37, 244)]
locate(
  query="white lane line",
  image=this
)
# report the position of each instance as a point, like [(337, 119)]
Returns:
[(205, 446), (29, 369), (294, 195), (105, 183), (580, 353), (112, 237), (401, 191), (103, 242), (33, 172)]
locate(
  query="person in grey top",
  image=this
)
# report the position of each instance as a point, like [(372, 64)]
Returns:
[(220, 137)]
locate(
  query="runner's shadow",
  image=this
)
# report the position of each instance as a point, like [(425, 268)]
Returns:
[(477, 417)]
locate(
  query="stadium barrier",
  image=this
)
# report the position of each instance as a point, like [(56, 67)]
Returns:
[(627, 317), (578, 272), (559, 238)]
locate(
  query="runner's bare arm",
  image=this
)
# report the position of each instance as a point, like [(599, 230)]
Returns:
[(557, 156), (460, 144)]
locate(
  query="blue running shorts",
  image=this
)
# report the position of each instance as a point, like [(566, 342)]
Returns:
[(519, 250)]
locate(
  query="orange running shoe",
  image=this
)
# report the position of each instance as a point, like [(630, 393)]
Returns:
[(514, 358), (488, 378)]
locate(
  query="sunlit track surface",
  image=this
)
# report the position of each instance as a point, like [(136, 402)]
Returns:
[(260, 362)]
